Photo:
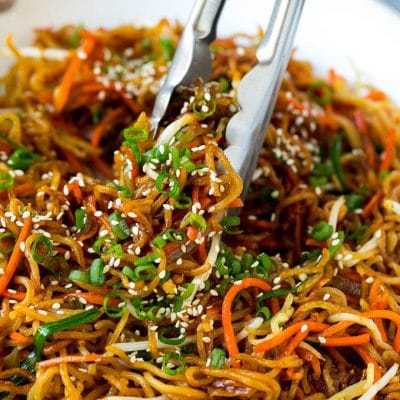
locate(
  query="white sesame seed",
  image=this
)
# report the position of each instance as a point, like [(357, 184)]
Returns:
[(321, 339), (277, 280), (42, 312), (304, 328), (326, 297), (22, 246), (206, 339), (56, 306), (370, 279)]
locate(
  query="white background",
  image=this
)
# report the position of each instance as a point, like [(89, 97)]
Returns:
[(353, 36)]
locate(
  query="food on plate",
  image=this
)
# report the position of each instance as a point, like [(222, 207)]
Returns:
[(123, 271)]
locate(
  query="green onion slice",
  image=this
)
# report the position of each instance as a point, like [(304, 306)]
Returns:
[(6, 181), (134, 134), (96, 274), (175, 236), (320, 93), (77, 275), (80, 217), (8, 247), (42, 248), (172, 182), (197, 220), (173, 358), (208, 110), (146, 259), (119, 225), (114, 312), (124, 191), (164, 335), (182, 201), (22, 159), (98, 244), (218, 358), (322, 231)]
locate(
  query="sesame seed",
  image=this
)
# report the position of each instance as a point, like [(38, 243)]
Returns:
[(326, 297), (304, 328), (42, 312), (321, 339), (56, 306), (206, 339), (22, 246), (277, 279), (370, 279)]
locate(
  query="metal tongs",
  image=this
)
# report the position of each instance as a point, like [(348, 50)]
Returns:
[(257, 91)]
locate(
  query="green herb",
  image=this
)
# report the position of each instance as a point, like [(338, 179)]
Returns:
[(264, 312), (320, 93), (203, 109), (172, 182), (77, 275), (73, 40), (167, 48), (182, 201), (145, 272), (122, 190), (335, 244), (80, 217), (114, 312), (119, 225), (172, 358), (7, 247), (98, 244), (195, 219), (230, 222), (322, 231), (6, 181), (134, 134), (22, 159), (97, 277), (357, 233), (175, 236), (146, 43), (159, 242), (224, 84), (154, 314), (46, 249), (218, 358), (146, 259), (178, 335)]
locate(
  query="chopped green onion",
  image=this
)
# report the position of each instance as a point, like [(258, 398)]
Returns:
[(322, 231), (154, 314), (116, 249), (175, 159), (6, 181), (167, 47), (224, 84), (318, 181), (8, 249), (73, 40), (47, 329), (182, 201), (135, 150), (354, 201), (335, 244), (146, 259), (114, 312), (208, 110), (264, 312), (134, 134), (218, 358), (320, 93), (145, 355), (98, 244), (122, 190), (229, 222), (190, 287), (145, 272), (264, 265), (22, 159), (96, 273), (335, 156), (195, 219), (358, 234), (80, 217), (45, 243), (274, 293), (119, 225), (180, 335), (172, 182), (159, 242), (129, 272), (77, 275), (170, 358), (175, 236)]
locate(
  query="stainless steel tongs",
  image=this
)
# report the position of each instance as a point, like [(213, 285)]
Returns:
[(257, 91)]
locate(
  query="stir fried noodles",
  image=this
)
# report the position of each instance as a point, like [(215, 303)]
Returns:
[(123, 273)]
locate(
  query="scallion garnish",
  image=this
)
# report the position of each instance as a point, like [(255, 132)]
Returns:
[(146, 259), (22, 159), (159, 242), (145, 272), (98, 244), (224, 84), (135, 133), (322, 231), (167, 47), (154, 314), (320, 93), (204, 109), (175, 236), (77, 275), (80, 217), (73, 40), (8, 247), (171, 335), (119, 225), (114, 312), (173, 358), (175, 159), (195, 219), (42, 248), (230, 222), (182, 201), (172, 182), (6, 181), (96, 273), (122, 190), (264, 312), (218, 358)]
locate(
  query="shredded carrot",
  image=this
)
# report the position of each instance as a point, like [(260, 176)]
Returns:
[(102, 167), (16, 255), (93, 298), (310, 357), (24, 189), (294, 343), (368, 359), (195, 194), (192, 233), (374, 201), (287, 333), (76, 190), (92, 357), (205, 202), (392, 316), (19, 296), (390, 148), (72, 159), (340, 326), (359, 120), (64, 89), (19, 338), (105, 124), (229, 334), (201, 251), (237, 203), (376, 95), (344, 341), (170, 247)]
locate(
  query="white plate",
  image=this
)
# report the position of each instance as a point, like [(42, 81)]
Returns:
[(353, 36)]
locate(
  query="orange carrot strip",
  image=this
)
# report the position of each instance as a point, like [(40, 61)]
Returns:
[(192, 233), (374, 201), (201, 250), (195, 194), (286, 334), (229, 334), (168, 248), (26, 188), (390, 148), (316, 243), (104, 124), (64, 89), (340, 326), (310, 357), (368, 359), (237, 203), (376, 95), (19, 338), (275, 305), (392, 316), (344, 341), (76, 190), (16, 255), (92, 357), (19, 296), (92, 298), (294, 343), (359, 120)]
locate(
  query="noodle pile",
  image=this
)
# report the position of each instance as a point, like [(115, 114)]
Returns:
[(122, 274)]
